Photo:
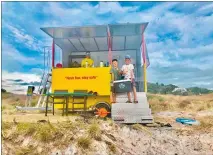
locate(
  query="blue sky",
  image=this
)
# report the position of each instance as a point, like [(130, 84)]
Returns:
[(179, 36)]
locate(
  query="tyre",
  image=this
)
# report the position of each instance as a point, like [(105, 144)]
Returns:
[(102, 110)]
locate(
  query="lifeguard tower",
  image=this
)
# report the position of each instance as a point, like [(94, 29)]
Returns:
[(104, 42)]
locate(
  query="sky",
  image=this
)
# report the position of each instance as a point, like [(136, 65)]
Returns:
[(179, 37)]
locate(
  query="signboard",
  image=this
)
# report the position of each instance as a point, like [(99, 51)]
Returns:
[(91, 79), (30, 90)]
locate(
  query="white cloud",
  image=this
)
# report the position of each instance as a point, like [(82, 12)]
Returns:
[(201, 50), (23, 76), (114, 7), (22, 37), (202, 83), (84, 13), (9, 77), (61, 12), (208, 7)]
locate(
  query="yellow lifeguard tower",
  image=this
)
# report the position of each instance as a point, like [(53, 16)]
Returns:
[(104, 42)]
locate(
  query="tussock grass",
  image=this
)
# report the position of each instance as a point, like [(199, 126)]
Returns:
[(67, 125), (6, 125), (157, 103), (206, 123), (159, 107), (46, 132), (41, 132), (111, 147), (94, 131), (178, 103), (26, 128), (209, 105), (84, 142), (183, 104), (151, 97), (29, 150), (3, 107), (6, 95)]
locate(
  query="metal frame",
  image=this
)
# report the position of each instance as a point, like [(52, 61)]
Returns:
[(53, 53), (138, 35), (96, 44), (82, 44), (73, 44)]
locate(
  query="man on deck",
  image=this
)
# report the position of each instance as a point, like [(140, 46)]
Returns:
[(87, 62)]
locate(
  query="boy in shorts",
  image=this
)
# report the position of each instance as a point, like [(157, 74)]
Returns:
[(116, 73), (128, 72)]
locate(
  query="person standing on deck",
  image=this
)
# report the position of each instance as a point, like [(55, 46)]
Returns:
[(128, 72), (87, 62), (116, 75)]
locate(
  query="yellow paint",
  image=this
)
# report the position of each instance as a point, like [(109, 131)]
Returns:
[(91, 79), (144, 75)]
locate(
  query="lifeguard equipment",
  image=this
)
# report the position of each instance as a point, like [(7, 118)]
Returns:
[(58, 65)]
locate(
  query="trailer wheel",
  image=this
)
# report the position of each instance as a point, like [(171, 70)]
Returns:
[(102, 110)]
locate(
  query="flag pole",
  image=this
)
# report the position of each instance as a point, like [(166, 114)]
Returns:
[(144, 65), (53, 53)]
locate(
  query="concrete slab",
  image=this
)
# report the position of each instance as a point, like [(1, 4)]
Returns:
[(32, 108)]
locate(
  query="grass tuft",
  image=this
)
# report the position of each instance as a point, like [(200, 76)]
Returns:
[(46, 132), (111, 147), (183, 104), (6, 125), (84, 142), (206, 123), (25, 151), (26, 128), (6, 95), (94, 131)]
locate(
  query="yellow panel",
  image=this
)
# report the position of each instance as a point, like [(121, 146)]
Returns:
[(91, 79)]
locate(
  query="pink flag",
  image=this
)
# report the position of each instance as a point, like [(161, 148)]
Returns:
[(144, 53), (109, 45)]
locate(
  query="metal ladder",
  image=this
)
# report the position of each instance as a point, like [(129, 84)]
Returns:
[(46, 86)]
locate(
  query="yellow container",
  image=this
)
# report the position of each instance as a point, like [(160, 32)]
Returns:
[(91, 79)]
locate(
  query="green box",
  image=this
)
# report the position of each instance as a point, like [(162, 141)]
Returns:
[(122, 86)]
